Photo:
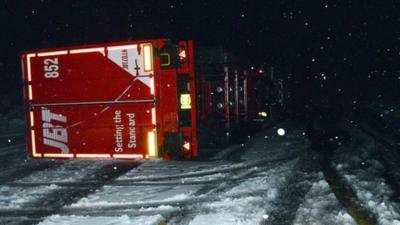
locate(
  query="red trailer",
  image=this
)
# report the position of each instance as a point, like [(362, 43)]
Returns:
[(119, 100)]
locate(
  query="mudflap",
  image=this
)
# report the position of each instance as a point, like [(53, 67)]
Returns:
[(173, 142)]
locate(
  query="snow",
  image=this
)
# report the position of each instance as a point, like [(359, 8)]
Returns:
[(375, 195), (321, 207), (215, 177), (232, 211), (281, 131), (216, 218), (11, 117), (87, 220), (115, 195), (365, 174), (226, 192), (237, 205), (159, 208), (220, 191), (17, 197), (69, 171)]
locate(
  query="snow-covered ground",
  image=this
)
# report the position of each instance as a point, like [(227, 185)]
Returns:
[(218, 192), (11, 115), (384, 109), (357, 163), (121, 220), (277, 180), (13, 197), (320, 206), (215, 192)]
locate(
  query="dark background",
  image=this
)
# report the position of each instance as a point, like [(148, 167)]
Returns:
[(332, 50)]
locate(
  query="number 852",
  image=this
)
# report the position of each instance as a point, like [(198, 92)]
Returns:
[(51, 68)]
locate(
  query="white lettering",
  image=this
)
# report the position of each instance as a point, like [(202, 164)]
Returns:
[(119, 127), (63, 147), (51, 68), (132, 130), (54, 135)]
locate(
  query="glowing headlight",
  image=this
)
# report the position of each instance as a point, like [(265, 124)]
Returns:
[(185, 101)]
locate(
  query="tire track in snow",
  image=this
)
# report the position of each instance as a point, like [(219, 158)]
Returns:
[(259, 195), (389, 158), (15, 164), (100, 209), (35, 212), (53, 202), (345, 193), (31, 167), (212, 192), (12, 139), (209, 193), (324, 149), (293, 194), (6, 149), (160, 180), (260, 190), (12, 135), (182, 211)]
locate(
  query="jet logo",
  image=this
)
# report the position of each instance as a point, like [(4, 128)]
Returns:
[(54, 135)]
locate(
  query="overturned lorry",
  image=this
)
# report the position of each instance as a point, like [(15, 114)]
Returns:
[(137, 99)]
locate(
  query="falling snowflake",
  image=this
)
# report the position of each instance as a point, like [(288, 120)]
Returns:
[(281, 131)]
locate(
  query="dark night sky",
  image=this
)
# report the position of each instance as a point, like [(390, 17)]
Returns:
[(345, 49)]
